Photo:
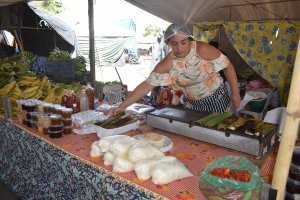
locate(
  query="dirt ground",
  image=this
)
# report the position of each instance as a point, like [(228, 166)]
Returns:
[(130, 74)]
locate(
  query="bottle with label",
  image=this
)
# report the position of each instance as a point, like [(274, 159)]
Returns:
[(64, 98), (90, 94), (84, 102)]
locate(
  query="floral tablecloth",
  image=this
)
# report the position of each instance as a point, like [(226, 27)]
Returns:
[(36, 166)]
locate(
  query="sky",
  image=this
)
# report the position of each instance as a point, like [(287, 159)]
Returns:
[(111, 10)]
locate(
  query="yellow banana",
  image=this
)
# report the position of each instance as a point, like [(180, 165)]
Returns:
[(36, 82), (38, 94), (30, 89), (30, 78), (29, 95), (24, 82), (7, 88), (44, 81), (50, 98), (49, 87)]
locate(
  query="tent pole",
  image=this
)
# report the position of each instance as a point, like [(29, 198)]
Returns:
[(289, 134), (92, 41)]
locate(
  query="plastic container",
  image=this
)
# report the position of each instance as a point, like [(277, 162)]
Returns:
[(296, 156), (30, 106), (28, 123), (293, 186), (34, 116), (45, 131), (47, 107), (40, 106), (294, 172), (55, 119), (43, 119), (55, 134), (82, 118), (256, 105), (20, 104), (84, 101), (67, 122), (33, 124), (54, 128), (68, 130), (67, 113), (90, 95)]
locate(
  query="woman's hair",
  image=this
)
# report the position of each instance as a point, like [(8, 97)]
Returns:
[(177, 29)]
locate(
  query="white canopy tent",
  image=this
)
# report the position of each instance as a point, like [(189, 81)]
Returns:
[(193, 11)]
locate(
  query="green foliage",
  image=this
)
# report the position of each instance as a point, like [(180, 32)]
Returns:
[(79, 65), (52, 6), (152, 30), (59, 55)]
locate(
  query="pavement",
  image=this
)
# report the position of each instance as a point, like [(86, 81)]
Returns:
[(130, 74)]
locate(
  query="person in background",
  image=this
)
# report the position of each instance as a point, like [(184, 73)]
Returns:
[(193, 67)]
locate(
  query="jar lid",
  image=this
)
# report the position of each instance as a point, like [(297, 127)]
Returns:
[(67, 110), (55, 116)]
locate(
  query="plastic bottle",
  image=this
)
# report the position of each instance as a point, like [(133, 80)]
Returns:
[(90, 94), (84, 102), (64, 98)]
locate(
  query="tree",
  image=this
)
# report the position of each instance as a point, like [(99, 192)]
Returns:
[(49, 6), (154, 30)]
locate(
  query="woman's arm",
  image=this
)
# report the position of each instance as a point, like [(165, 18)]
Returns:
[(144, 88), (138, 93), (230, 74)]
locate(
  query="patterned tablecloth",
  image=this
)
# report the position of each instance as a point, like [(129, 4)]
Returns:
[(36, 166)]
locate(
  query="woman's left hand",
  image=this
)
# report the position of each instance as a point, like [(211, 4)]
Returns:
[(235, 100)]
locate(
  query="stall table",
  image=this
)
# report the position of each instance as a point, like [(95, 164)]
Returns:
[(36, 166)]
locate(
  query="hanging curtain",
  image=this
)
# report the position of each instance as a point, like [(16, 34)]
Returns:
[(268, 47)]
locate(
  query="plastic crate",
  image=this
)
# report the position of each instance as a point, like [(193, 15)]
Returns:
[(60, 70)]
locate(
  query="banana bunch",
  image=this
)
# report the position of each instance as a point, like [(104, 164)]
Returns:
[(55, 95), (7, 88)]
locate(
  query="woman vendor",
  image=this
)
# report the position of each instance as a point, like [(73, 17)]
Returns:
[(192, 66)]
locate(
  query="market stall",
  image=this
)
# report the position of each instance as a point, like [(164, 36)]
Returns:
[(37, 166)]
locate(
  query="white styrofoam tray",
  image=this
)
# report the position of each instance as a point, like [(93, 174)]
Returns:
[(103, 132)]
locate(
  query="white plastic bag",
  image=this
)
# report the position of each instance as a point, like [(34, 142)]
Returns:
[(121, 165), (168, 172), (143, 168), (143, 151), (105, 142), (120, 148), (95, 150), (108, 158)]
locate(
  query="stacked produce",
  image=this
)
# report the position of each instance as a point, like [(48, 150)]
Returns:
[(225, 121), (17, 82)]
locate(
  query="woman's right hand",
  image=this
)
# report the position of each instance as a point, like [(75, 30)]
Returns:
[(114, 111)]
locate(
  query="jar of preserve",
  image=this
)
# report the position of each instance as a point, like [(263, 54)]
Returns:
[(67, 113), (55, 134), (47, 108), (30, 106), (68, 129), (40, 106), (54, 128), (67, 121), (45, 131), (55, 119)]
